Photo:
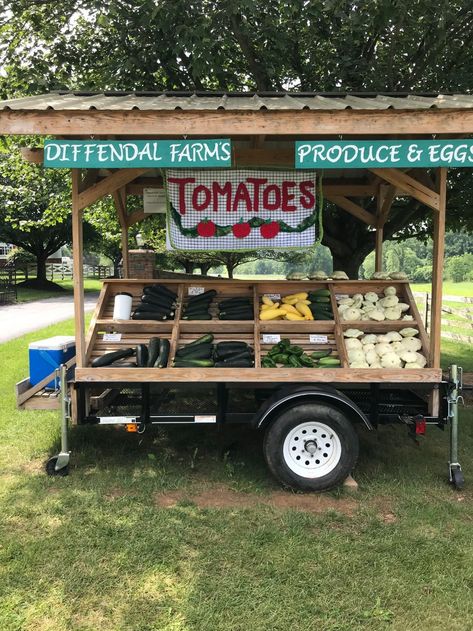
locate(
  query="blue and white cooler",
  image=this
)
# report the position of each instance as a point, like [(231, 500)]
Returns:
[(47, 355)]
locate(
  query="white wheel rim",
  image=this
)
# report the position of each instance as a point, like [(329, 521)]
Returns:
[(312, 450)]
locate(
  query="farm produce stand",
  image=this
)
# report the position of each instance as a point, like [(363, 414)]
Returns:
[(307, 368)]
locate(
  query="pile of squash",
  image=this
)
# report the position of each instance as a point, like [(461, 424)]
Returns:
[(370, 306), (303, 306)]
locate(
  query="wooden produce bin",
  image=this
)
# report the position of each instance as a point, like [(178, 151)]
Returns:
[(181, 331)]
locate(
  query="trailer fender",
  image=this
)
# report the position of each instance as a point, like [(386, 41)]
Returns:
[(285, 398)]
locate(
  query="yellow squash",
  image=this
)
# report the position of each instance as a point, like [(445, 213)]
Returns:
[(289, 309), (304, 311), (294, 317), (271, 314), (267, 301), (302, 295)]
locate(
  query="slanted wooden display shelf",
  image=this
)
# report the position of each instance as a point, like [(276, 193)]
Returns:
[(180, 331)]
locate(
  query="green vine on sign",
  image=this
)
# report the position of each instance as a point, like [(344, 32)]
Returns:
[(268, 227)]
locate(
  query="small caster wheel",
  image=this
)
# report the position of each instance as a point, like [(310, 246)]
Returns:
[(458, 480), (51, 468)]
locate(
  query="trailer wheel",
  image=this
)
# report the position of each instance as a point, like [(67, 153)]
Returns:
[(311, 447), (51, 468)]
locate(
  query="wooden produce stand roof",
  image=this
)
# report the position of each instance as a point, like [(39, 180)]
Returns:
[(257, 122)]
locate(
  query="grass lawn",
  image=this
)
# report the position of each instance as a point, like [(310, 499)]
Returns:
[(27, 294), (449, 289), (156, 532)]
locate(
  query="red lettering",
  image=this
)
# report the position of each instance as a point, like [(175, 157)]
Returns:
[(267, 204), (257, 183), (307, 198), (195, 197), (287, 196), (226, 190), (242, 195), (181, 183)]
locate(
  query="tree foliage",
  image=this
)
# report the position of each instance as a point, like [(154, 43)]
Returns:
[(320, 45)]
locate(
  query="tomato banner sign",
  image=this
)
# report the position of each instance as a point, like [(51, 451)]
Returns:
[(245, 209)]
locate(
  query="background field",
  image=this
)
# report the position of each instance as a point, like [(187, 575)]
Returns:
[(172, 531)]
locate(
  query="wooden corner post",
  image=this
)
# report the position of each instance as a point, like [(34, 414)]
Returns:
[(437, 271), (78, 263)]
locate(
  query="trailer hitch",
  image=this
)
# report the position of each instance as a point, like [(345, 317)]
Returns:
[(416, 426)]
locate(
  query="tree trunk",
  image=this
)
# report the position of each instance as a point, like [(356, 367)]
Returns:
[(189, 267), (230, 269), (349, 264), (116, 266), (204, 268), (41, 269)]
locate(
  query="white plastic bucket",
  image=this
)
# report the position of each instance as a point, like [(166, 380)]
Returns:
[(122, 306)]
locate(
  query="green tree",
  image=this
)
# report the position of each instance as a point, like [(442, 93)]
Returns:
[(34, 209), (341, 45)]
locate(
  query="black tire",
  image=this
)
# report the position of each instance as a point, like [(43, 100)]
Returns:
[(341, 452), (51, 468)]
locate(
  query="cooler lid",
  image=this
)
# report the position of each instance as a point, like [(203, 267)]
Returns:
[(56, 343)]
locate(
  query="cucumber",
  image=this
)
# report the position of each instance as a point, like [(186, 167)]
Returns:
[(109, 358), (319, 292), (162, 360), (236, 363), (320, 354), (321, 299), (329, 361), (202, 351), (141, 355), (153, 351), (208, 338), (193, 363), (198, 316), (148, 315)]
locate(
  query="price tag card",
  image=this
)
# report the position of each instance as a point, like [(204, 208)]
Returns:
[(340, 296), (112, 337), (274, 296), (271, 338), (314, 338), (196, 291)]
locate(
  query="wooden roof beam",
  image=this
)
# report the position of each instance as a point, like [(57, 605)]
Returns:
[(108, 185), (410, 186), (352, 208), (237, 123)]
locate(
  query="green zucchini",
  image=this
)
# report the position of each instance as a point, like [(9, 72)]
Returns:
[(319, 292), (109, 358), (148, 308), (231, 345), (246, 355), (202, 351), (148, 315), (224, 353), (235, 363), (162, 359), (197, 316), (123, 365), (196, 311), (157, 302), (160, 289), (237, 302), (193, 363), (206, 295), (208, 338), (141, 355), (153, 351), (320, 299)]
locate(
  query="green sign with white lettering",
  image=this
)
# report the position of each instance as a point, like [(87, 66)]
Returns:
[(127, 154), (382, 154)]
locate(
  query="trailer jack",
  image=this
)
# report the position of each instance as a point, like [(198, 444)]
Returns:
[(455, 384), (59, 465)]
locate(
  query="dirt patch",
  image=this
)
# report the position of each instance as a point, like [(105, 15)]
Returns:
[(223, 497), (114, 494)]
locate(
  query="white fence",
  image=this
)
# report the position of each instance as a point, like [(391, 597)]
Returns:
[(458, 316)]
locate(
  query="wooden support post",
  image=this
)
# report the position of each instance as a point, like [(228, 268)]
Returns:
[(378, 252), (437, 272), (78, 263)]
